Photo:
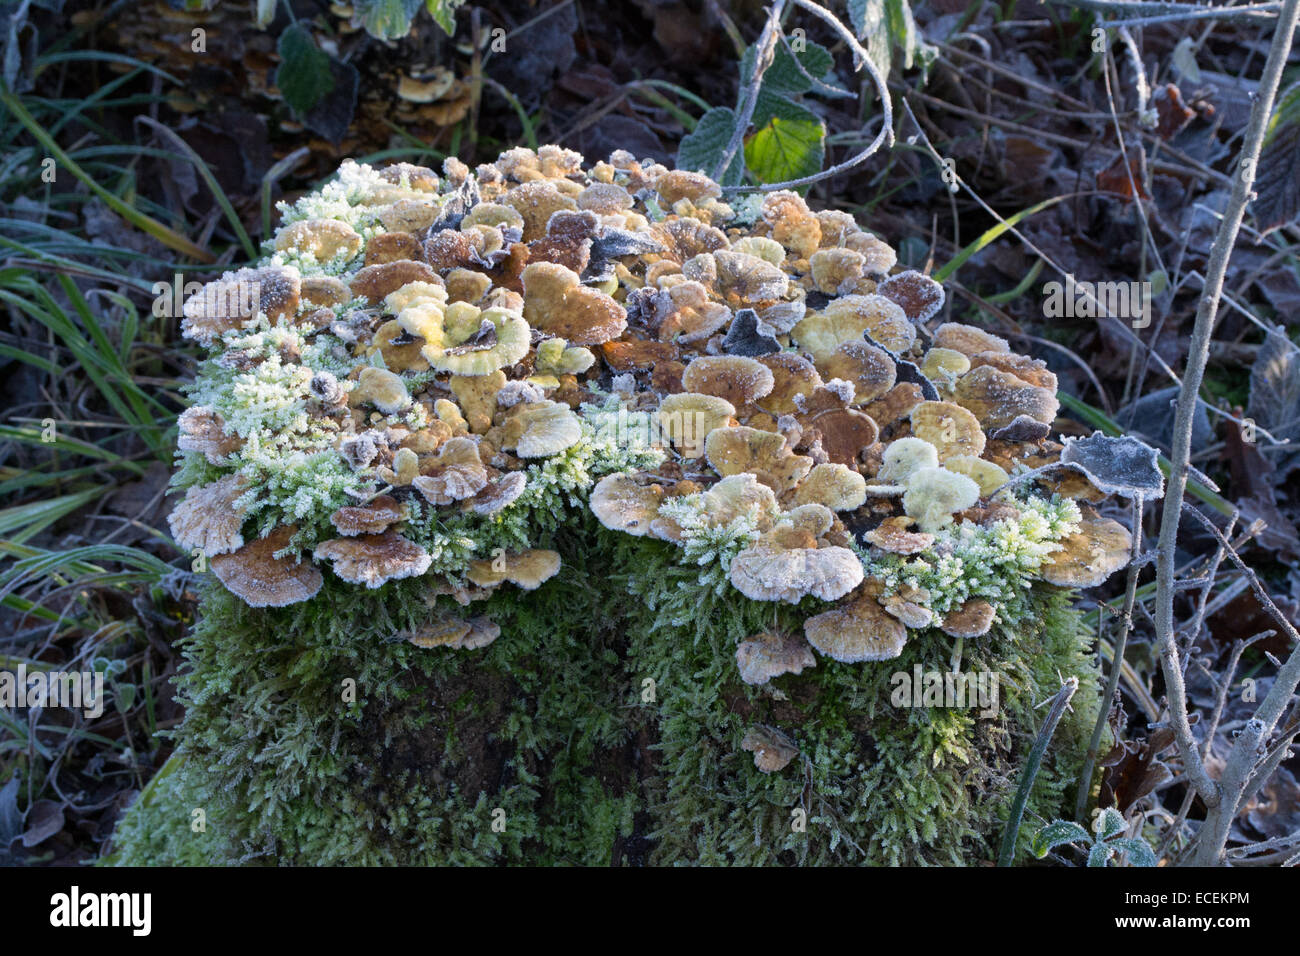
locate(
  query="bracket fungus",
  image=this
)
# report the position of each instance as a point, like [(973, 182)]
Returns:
[(422, 373)]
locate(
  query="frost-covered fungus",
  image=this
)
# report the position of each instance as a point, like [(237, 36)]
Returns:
[(735, 378), (920, 296), (499, 494), (772, 749), (787, 564), (768, 655), (950, 428), (622, 502), (833, 485), (440, 631), (904, 457), (536, 203), (524, 569), (837, 271), (998, 398), (792, 376), (685, 315), (209, 518), (943, 366), (792, 223), (376, 282), (732, 451), (477, 397), (202, 429), (745, 281), (1117, 466), (454, 474), (986, 474), (859, 630), (474, 341), (972, 619), (376, 515), (256, 576), (236, 299), (541, 429), (968, 339), (557, 303), (892, 536), (482, 632), (848, 319), (381, 388), (1088, 557), (934, 495), (556, 357), (374, 559), (870, 369), (686, 419), (840, 432), (322, 239)]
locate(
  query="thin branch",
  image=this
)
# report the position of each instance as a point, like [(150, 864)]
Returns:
[(764, 52), (1198, 354)]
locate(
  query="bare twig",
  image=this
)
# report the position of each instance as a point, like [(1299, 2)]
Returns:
[(1202, 333), (764, 51)]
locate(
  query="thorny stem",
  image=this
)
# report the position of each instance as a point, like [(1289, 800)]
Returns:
[(1198, 353), (764, 51), (1116, 663), (862, 60)]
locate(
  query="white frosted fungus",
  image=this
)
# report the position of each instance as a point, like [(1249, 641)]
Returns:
[(208, 518), (373, 559), (919, 295), (736, 378), (737, 495), (951, 429), (257, 577), (374, 516), (858, 631), (968, 339), (745, 280), (786, 564), (541, 429), (322, 238), (202, 429), (1117, 466), (942, 366), (555, 357), (772, 749), (557, 303), (972, 619), (988, 476), (934, 495), (621, 503), (765, 656), (524, 569), (998, 398), (892, 535), (911, 614), (1089, 556), (687, 418), (837, 271), (836, 486), (499, 493), (382, 389), (234, 301), (478, 341), (456, 473), (904, 457), (731, 451)]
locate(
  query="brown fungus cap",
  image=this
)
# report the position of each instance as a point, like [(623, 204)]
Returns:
[(785, 564), (622, 503), (858, 631), (374, 559), (1088, 557), (257, 577), (557, 303), (972, 619), (524, 569), (208, 518), (375, 516), (765, 656), (735, 378), (772, 749), (455, 474), (733, 451)]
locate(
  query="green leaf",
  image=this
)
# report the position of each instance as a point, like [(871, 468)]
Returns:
[(388, 19), (1055, 834), (304, 75), (784, 75), (1111, 824), (1139, 853), (444, 14), (870, 21), (790, 144), (1099, 854), (702, 149)]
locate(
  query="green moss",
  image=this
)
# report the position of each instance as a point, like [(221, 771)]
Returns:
[(555, 725)]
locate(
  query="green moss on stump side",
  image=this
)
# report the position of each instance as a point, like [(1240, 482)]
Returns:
[(549, 725)]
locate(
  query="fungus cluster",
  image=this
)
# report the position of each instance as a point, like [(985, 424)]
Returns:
[(425, 369)]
